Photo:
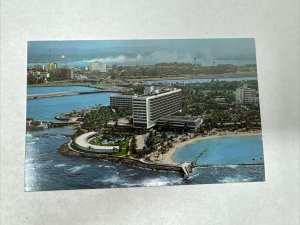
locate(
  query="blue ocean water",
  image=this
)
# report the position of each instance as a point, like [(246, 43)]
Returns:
[(224, 150), (47, 108), (44, 90), (46, 169)]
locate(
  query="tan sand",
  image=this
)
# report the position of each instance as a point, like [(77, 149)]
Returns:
[(166, 158)]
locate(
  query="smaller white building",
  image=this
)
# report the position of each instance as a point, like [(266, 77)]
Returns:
[(97, 66), (245, 95)]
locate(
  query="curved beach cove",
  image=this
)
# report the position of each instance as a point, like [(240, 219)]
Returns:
[(222, 150)]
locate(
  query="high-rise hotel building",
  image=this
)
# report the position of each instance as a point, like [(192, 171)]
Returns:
[(245, 95), (152, 105), (121, 101)]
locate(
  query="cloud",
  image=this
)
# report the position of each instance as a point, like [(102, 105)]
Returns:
[(119, 59)]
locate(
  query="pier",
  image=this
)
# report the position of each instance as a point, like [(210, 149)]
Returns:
[(62, 94)]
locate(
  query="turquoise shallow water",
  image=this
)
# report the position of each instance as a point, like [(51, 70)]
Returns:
[(223, 150)]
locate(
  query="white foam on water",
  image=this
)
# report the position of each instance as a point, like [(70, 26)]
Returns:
[(234, 179), (60, 165), (114, 179), (132, 174), (77, 168), (28, 135), (30, 139), (161, 181), (35, 165), (232, 166), (109, 166), (193, 176)]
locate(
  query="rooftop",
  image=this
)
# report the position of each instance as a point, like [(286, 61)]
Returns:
[(181, 118)]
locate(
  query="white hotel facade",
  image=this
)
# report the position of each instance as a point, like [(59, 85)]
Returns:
[(245, 95), (148, 108), (97, 66)]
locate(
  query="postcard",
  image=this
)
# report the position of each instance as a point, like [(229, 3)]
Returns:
[(136, 113)]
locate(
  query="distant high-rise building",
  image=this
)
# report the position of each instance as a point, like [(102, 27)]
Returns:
[(245, 95), (97, 66), (52, 67), (66, 73), (39, 67)]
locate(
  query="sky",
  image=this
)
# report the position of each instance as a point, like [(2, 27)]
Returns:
[(142, 51)]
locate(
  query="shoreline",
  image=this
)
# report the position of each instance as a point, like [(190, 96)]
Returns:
[(67, 150), (181, 77), (198, 76), (167, 157)]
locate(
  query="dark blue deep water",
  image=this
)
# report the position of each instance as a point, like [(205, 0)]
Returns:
[(45, 169)]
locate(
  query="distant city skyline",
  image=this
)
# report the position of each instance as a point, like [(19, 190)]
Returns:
[(129, 52)]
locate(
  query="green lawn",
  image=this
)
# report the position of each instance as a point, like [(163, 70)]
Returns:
[(124, 143)]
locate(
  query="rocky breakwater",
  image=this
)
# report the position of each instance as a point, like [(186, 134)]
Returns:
[(34, 125), (184, 168)]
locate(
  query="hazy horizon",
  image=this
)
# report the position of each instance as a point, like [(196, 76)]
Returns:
[(142, 51)]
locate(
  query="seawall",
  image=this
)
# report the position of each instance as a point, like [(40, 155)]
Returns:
[(183, 169)]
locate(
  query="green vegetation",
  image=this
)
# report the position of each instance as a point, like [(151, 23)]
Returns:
[(136, 90), (164, 70), (107, 138), (216, 101), (98, 117), (133, 145), (34, 80)]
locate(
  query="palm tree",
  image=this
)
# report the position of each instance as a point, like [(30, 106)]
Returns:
[(133, 144), (164, 136)]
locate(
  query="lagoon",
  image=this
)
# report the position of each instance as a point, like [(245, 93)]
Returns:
[(225, 150)]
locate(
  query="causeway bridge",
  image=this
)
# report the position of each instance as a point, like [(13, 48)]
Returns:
[(62, 94)]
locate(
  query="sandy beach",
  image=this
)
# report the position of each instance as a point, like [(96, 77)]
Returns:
[(167, 157)]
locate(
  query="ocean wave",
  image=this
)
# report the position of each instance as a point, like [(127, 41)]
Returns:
[(109, 166), (60, 165), (161, 181), (36, 165), (234, 179), (78, 168), (114, 179), (193, 176), (132, 174), (232, 166)]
